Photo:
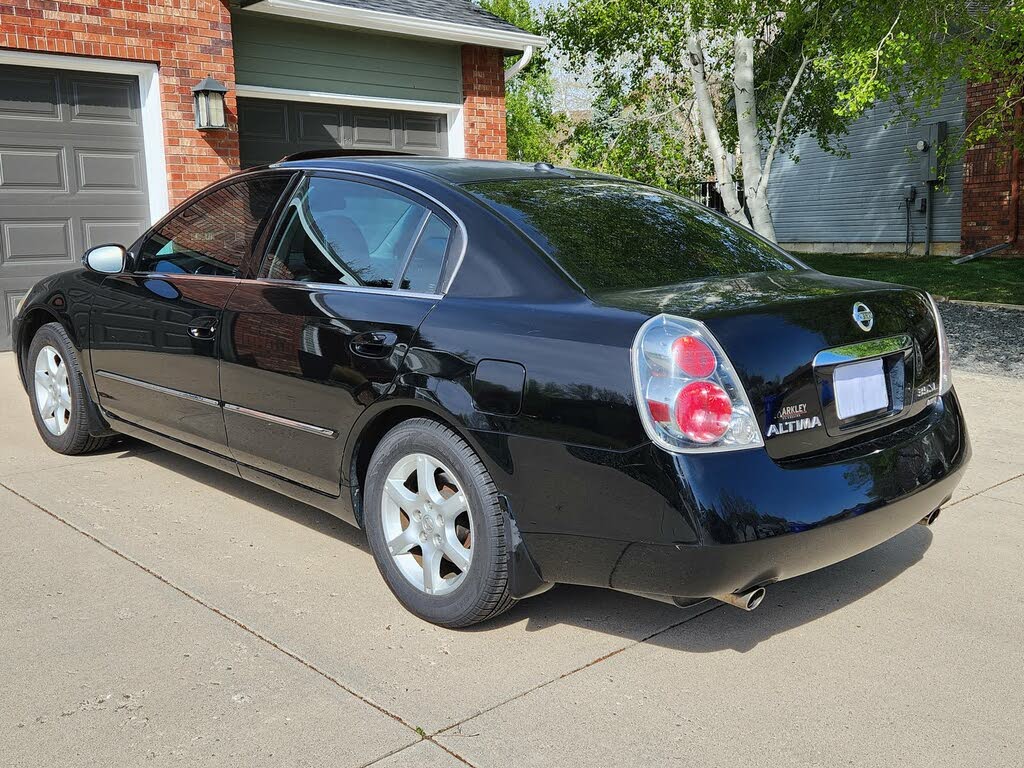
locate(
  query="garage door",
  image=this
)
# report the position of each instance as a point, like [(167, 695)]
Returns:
[(72, 173), (269, 130)]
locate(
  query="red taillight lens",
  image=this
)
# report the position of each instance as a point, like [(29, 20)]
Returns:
[(693, 357), (703, 411), (659, 411), (689, 396)]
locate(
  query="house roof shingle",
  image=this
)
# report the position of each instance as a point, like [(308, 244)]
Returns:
[(451, 11)]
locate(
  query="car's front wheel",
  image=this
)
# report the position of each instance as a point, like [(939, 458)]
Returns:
[(435, 526), (58, 393)]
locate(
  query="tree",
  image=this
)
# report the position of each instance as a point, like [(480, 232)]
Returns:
[(755, 74), (531, 123), (640, 133)]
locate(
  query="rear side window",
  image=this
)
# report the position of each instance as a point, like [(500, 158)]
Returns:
[(613, 235), (425, 264), (214, 234), (349, 233)]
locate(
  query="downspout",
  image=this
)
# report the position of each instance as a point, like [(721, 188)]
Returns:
[(518, 67), (928, 218), (1015, 170)]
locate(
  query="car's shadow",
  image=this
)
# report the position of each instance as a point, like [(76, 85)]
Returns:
[(709, 626)]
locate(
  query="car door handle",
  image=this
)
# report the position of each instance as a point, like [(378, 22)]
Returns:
[(203, 328), (374, 343)]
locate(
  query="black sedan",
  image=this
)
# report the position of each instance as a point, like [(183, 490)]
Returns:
[(510, 376)]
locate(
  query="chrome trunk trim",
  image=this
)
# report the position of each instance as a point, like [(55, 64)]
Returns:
[(863, 350)]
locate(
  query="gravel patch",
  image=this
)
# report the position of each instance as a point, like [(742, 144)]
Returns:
[(985, 339)]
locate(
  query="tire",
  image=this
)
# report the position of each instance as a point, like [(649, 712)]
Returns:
[(69, 430), (470, 512)]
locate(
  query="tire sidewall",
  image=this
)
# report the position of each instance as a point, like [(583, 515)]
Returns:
[(451, 608)]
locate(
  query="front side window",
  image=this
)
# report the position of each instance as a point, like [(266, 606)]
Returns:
[(614, 235), (213, 235), (349, 233)]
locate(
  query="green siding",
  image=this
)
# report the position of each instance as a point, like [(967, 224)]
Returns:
[(273, 52)]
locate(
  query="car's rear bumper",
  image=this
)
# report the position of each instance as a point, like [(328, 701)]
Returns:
[(721, 569), (741, 519)]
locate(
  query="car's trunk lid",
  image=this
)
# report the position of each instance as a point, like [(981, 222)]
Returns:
[(786, 333)]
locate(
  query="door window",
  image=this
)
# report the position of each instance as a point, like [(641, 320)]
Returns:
[(349, 233), (215, 233)]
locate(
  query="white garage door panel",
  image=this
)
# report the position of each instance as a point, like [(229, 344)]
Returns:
[(269, 130), (72, 173)]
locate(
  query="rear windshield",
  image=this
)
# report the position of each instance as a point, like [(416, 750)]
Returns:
[(614, 235)]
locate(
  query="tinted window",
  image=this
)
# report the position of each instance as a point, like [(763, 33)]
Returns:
[(349, 233), (215, 233), (424, 270), (613, 235)]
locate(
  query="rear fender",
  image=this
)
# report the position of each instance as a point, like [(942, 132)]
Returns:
[(417, 396)]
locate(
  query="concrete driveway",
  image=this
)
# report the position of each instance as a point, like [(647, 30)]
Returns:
[(156, 612)]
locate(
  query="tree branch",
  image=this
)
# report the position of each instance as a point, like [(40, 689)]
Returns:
[(780, 120)]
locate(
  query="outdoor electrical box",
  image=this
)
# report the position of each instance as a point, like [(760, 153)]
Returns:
[(932, 149)]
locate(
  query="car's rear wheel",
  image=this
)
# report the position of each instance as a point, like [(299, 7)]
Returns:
[(58, 394), (435, 526)]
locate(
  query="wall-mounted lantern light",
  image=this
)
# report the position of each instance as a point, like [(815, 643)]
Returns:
[(208, 96)]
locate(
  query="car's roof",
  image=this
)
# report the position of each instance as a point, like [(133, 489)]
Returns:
[(450, 170)]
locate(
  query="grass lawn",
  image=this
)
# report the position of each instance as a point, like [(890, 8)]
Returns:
[(984, 279)]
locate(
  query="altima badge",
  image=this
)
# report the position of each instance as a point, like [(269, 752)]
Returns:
[(863, 317), (796, 425)]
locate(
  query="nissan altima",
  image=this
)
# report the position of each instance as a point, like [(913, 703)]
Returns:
[(509, 376)]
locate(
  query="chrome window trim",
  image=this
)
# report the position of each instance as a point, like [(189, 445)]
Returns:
[(863, 350), (280, 420), (344, 288), (295, 284), (158, 388), (182, 275), (458, 221)]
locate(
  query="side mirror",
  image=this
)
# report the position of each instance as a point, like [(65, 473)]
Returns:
[(106, 259)]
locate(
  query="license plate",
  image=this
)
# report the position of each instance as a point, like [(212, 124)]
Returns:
[(860, 388)]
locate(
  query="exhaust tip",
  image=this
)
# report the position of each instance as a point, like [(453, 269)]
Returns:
[(746, 601), (930, 518), (755, 597)]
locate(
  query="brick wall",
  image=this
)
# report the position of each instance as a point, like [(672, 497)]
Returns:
[(483, 93), (188, 39), (986, 218)]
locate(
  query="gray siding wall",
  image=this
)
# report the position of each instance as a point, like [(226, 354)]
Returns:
[(277, 53), (824, 198)]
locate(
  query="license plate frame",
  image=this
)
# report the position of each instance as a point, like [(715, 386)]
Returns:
[(861, 389)]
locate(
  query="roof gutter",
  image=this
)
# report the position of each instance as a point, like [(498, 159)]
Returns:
[(520, 65), (399, 24)]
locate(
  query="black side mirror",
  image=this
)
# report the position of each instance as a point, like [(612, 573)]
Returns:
[(106, 259)]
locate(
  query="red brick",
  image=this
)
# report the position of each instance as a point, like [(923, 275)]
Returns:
[(181, 38), (985, 213), (483, 89)]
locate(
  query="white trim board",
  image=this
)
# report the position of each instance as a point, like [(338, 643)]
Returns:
[(397, 23), (456, 125), (149, 97)]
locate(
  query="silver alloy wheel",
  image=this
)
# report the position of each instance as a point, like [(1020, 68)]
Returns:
[(427, 524), (53, 390)]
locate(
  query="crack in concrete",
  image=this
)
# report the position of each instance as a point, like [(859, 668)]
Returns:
[(985, 490), (711, 607), (421, 736)]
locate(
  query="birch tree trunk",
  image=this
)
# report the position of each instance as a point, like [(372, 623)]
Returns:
[(709, 127), (755, 185)]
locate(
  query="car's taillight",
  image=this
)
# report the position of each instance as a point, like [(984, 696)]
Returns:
[(689, 396), (945, 368)]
